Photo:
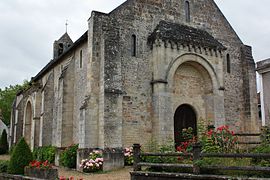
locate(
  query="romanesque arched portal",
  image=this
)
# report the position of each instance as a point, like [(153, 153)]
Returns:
[(184, 117)]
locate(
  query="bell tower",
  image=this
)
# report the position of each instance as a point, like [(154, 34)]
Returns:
[(61, 45)]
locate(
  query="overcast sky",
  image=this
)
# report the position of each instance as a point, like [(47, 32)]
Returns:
[(28, 29)]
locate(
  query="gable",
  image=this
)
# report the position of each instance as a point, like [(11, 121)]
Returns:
[(204, 14)]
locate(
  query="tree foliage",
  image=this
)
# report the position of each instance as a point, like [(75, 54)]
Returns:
[(7, 97)]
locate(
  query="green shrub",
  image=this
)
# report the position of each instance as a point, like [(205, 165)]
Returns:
[(264, 148), (21, 157), (3, 166), (3, 143), (265, 135), (165, 148), (68, 157), (45, 153)]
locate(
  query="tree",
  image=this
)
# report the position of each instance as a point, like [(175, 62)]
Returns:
[(20, 157), (3, 143), (7, 97)]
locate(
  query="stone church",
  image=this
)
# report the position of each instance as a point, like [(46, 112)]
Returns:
[(144, 71)]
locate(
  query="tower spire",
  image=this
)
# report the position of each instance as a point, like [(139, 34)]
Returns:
[(66, 25)]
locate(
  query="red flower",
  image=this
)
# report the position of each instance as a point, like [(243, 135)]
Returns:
[(62, 178), (210, 133), (180, 158)]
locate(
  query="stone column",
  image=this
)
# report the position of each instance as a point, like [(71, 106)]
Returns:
[(219, 109), (162, 122)]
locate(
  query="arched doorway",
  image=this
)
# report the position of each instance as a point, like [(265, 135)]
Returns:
[(184, 117), (28, 123)]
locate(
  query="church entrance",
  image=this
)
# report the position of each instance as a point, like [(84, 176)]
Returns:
[(184, 117)]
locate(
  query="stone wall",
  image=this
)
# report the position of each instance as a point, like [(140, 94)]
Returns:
[(136, 72), (46, 119), (81, 60)]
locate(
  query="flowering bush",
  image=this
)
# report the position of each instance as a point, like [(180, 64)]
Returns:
[(128, 154), (94, 163), (39, 164), (220, 140), (188, 140)]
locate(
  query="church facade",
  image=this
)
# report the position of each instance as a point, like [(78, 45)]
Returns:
[(144, 71)]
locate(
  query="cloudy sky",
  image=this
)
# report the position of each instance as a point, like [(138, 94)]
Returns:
[(29, 27)]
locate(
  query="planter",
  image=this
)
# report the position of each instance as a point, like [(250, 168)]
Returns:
[(41, 173), (91, 170)]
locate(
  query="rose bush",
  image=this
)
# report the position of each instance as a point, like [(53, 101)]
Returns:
[(220, 140)]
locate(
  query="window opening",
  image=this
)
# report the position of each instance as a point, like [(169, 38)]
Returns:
[(228, 63), (187, 11), (81, 59), (133, 45)]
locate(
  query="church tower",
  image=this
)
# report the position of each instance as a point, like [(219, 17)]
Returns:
[(61, 45)]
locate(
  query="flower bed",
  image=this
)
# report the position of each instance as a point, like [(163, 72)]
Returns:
[(94, 163), (42, 170)]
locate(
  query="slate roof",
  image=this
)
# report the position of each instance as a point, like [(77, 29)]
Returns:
[(183, 34)]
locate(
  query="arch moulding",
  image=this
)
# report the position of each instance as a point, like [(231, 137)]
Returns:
[(189, 57)]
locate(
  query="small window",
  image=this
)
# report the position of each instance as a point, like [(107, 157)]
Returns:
[(133, 45), (60, 48), (187, 11), (228, 59), (81, 59)]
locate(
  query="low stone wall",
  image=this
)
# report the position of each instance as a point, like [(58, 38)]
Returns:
[(50, 174), (138, 175), (113, 159), (4, 176)]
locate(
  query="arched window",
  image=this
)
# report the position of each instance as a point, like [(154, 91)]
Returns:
[(228, 59), (187, 11), (133, 45), (81, 59)]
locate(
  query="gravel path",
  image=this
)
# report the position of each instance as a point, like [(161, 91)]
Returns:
[(121, 174), (4, 157)]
